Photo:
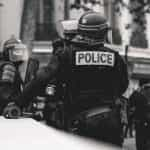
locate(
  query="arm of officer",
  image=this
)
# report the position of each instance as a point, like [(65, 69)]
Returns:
[(123, 75), (135, 102), (7, 78), (42, 77), (7, 81), (8, 73)]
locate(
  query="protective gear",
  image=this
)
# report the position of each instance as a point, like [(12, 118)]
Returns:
[(88, 72), (18, 54), (93, 26), (8, 73), (15, 51), (10, 83), (99, 76), (67, 29), (8, 45), (14, 54), (93, 75)]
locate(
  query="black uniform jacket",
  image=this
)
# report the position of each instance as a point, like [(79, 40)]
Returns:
[(84, 66)]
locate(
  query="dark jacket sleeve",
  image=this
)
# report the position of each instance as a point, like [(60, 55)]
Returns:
[(137, 102), (8, 73), (8, 82), (42, 77), (123, 74)]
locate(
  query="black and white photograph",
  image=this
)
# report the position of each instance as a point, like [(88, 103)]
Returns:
[(75, 74)]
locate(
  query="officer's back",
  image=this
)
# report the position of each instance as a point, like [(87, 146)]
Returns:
[(87, 65)]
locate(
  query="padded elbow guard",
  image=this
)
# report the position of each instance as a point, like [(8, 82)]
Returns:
[(8, 73)]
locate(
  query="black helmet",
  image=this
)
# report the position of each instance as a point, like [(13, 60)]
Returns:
[(93, 25), (9, 45)]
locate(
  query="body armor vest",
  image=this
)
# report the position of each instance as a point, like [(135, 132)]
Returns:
[(93, 69)]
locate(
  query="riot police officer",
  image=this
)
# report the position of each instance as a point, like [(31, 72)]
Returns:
[(10, 79), (85, 64)]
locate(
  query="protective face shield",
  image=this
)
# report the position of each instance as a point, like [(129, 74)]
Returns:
[(67, 29), (9, 45), (18, 53)]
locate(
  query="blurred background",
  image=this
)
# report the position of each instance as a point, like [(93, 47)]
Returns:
[(35, 22)]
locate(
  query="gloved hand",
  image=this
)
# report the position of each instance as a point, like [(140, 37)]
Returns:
[(12, 111)]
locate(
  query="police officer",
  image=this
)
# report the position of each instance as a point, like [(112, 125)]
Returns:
[(84, 64), (140, 110), (10, 79)]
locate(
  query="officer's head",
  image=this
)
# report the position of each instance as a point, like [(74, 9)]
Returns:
[(14, 50), (93, 26)]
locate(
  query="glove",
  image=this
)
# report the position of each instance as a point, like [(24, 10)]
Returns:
[(12, 111)]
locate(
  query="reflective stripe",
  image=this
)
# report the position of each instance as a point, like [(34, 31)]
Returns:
[(93, 27)]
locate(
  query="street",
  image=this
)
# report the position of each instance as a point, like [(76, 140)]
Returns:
[(28, 134), (14, 134)]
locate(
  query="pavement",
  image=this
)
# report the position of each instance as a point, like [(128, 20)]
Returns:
[(129, 144), (28, 134)]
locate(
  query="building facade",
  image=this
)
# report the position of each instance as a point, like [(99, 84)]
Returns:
[(36, 20), (10, 19)]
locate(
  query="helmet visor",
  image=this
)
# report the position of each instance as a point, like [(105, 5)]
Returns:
[(67, 28), (18, 53)]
